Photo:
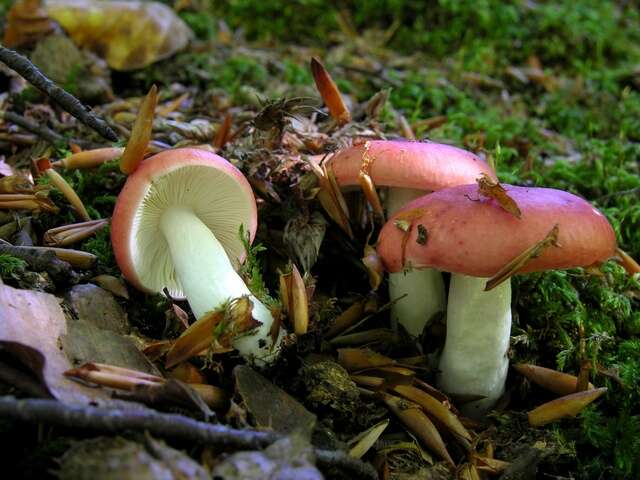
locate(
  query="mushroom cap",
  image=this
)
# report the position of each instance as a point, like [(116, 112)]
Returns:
[(216, 190), (405, 164), (475, 236)]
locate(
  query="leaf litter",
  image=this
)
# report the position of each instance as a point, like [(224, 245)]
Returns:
[(281, 139)]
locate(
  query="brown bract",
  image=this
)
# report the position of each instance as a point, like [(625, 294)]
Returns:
[(475, 236), (396, 163)]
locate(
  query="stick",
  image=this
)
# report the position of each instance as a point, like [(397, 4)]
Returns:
[(163, 425), (68, 102), (43, 132)]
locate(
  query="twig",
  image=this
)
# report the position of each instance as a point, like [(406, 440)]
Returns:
[(42, 261), (43, 132), (68, 102), (163, 425)]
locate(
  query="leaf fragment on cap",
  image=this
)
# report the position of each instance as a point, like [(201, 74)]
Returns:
[(366, 182), (492, 189), (404, 221), (513, 266)]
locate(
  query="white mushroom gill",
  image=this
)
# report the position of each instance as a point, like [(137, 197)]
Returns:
[(474, 360), (186, 237), (424, 289)]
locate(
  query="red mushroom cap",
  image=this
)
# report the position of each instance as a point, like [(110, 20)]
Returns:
[(474, 236), (216, 190), (404, 164)]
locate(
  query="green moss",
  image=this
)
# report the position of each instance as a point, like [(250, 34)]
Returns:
[(10, 265)]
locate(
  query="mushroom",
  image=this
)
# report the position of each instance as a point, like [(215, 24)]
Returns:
[(473, 238), (176, 225), (410, 170)]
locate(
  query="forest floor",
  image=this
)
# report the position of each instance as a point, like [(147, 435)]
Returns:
[(547, 93)]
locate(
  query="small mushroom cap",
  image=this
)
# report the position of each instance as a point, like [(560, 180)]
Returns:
[(404, 164), (475, 236), (216, 190)]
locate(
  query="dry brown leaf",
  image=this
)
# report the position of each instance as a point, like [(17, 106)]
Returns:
[(567, 406), (513, 266), (89, 158), (347, 318), (374, 267), (434, 408), (215, 330), (492, 189), (630, 265), (224, 131), (293, 294), (128, 35), (404, 221), (70, 234), (366, 183), (140, 133), (354, 359), (552, 380), (330, 93), (330, 196), (418, 423), (363, 442)]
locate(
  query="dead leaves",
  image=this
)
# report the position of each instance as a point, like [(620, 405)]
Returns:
[(366, 183), (567, 406), (293, 293), (330, 196), (214, 331), (140, 133), (405, 221), (570, 404), (492, 189), (513, 266), (330, 93)]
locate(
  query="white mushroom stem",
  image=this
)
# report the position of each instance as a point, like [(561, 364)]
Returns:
[(208, 278), (474, 360), (424, 289)]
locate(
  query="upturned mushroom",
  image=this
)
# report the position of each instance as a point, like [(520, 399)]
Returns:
[(474, 238), (410, 170), (176, 225)]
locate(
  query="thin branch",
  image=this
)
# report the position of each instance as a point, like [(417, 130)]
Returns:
[(68, 102), (163, 425), (42, 131)]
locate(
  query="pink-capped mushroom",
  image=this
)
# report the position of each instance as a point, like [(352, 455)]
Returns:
[(176, 225), (473, 238), (410, 170)]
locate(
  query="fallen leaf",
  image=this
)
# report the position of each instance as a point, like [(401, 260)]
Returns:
[(567, 406), (513, 266), (552, 380), (364, 441), (140, 133), (412, 416), (435, 408), (330, 93), (492, 189)]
